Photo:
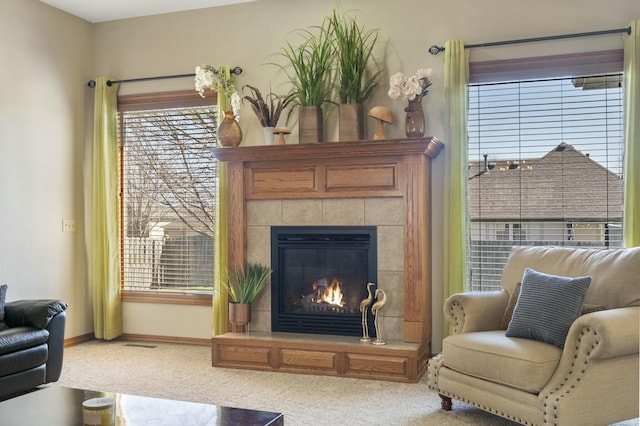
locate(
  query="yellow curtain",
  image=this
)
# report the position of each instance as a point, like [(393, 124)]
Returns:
[(105, 249), (455, 244), (632, 136), (220, 297)]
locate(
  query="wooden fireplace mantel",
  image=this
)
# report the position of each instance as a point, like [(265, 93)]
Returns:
[(429, 146), (360, 169)]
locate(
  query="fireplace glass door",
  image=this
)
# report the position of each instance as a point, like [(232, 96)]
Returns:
[(320, 276)]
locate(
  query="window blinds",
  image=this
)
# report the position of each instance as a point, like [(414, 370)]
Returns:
[(168, 179), (545, 168)]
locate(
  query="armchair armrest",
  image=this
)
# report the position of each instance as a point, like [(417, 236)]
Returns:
[(32, 313), (618, 332), (56, 346), (600, 356), (476, 310)]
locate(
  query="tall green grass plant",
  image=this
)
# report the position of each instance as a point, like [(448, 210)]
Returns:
[(354, 57), (310, 67)]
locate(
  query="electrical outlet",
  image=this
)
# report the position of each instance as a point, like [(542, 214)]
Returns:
[(68, 225)]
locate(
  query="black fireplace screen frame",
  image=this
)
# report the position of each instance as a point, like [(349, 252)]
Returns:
[(340, 237)]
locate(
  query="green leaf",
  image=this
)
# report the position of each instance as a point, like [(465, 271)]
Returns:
[(354, 54), (245, 284)]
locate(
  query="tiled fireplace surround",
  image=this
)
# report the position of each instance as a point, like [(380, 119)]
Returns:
[(387, 214), (371, 183)]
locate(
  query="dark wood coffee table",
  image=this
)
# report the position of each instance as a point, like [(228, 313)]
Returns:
[(60, 406)]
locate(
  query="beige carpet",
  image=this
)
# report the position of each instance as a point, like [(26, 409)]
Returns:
[(185, 373)]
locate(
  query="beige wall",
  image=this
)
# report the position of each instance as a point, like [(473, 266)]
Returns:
[(48, 56), (46, 59)]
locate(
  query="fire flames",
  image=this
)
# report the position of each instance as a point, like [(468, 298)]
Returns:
[(328, 291)]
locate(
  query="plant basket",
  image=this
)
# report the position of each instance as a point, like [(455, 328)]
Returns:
[(351, 122), (239, 315), (310, 124)]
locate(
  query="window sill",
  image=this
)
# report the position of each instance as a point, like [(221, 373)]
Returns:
[(166, 298)]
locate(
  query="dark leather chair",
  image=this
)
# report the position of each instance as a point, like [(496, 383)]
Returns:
[(31, 345)]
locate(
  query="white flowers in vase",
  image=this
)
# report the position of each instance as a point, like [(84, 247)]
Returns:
[(408, 88), (208, 78)]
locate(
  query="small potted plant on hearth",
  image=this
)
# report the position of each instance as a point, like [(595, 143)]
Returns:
[(243, 286)]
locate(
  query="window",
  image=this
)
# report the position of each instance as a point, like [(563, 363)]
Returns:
[(545, 167), (168, 179)]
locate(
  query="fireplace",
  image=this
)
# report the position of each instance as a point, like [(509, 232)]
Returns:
[(316, 184), (320, 276)]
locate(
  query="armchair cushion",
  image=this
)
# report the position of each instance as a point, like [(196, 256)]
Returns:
[(33, 313), (490, 355), (613, 272), (16, 339), (547, 306)]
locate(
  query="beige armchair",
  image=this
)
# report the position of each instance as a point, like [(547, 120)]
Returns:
[(593, 380)]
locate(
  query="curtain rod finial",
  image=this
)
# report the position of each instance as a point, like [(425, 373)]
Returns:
[(434, 50), (92, 83)]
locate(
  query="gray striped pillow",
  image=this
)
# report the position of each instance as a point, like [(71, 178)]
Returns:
[(547, 306)]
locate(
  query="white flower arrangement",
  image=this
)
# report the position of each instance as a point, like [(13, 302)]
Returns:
[(208, 78), (235, 105), (408, 88)]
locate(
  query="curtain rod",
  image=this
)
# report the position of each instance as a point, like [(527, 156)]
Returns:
[(92, 83), (434, 50)]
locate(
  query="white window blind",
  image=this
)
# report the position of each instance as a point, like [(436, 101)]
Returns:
[(545, 168), (168, 179)]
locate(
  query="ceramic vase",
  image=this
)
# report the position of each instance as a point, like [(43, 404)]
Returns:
[(268, 135), (229, 133)]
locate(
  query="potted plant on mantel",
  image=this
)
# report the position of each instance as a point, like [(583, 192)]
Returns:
[(310, 71), (355, 80), (243, 286), (267, 110)]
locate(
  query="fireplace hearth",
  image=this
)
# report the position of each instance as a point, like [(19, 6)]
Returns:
[(320, 275)]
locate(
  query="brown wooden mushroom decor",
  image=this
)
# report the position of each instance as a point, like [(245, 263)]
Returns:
[(281, 131), (382, 115)]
